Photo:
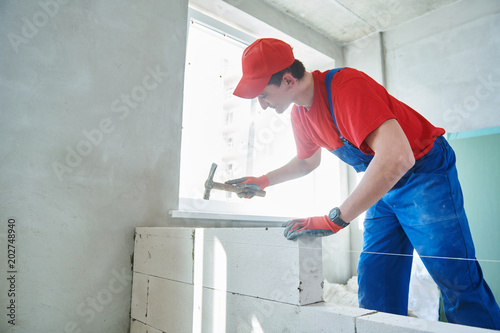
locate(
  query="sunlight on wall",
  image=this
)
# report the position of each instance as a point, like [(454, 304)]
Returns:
[(256, 327), (220, 284), (198, 281)]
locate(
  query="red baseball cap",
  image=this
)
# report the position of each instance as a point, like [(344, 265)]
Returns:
[(260, 61)]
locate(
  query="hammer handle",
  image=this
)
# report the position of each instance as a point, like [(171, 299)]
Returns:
[(232, 188)]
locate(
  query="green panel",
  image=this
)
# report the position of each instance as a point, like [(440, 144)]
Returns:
[(478, 164)]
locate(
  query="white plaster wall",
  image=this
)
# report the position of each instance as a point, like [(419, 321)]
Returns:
[(90, 114), (445, 65), (365, 55)]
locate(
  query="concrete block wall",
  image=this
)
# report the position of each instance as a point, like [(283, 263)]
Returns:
[(234, 260), (244, 280)]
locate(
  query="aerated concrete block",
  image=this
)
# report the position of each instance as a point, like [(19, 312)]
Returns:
[(186, 279), (218, 311), (170, 305), (250, 314), (258, 262), (139, 327), (165, 252), (389, 323), (138, 307), (261, 262)]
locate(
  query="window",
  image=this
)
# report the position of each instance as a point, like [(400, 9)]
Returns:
[(238, 135)]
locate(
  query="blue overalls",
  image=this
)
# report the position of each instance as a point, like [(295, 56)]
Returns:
[(423, 211)]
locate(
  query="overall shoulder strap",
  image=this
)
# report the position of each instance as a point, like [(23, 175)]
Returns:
[(328, 84)]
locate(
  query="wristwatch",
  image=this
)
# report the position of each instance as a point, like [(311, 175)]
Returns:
[(334, 216)]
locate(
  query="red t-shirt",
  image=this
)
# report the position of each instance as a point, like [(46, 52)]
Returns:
[(360, 105)]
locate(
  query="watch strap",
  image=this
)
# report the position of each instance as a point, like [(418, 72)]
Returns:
[(334, 216)]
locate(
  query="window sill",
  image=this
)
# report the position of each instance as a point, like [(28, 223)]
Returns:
[(185, 214)]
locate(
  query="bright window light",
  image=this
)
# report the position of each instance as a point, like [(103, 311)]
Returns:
[(239, 136)]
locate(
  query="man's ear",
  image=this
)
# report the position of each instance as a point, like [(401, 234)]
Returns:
[(288, 79)]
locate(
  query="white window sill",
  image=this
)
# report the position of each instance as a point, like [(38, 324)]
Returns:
[(185, 214)]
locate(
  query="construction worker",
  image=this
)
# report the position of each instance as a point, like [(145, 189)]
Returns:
[(410, 190)]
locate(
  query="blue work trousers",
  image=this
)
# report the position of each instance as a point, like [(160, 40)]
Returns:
[(425, 211)]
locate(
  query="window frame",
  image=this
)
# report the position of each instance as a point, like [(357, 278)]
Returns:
[(198, 211)]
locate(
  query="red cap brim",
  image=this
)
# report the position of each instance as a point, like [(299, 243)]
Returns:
[(250, 88)]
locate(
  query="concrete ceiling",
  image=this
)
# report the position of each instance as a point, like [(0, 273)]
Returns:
[(345, 21)]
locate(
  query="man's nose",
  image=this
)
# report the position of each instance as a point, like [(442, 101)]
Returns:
[(263, 103)]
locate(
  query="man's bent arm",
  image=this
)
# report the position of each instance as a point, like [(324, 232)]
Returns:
[(294, 169), (393, 158)]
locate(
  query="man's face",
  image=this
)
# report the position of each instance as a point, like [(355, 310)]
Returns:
[(277, 98)]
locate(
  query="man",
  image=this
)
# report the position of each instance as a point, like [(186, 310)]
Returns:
[(410, 189)]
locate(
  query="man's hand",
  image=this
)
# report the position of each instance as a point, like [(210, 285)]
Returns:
[(317, 226), (250, 185)]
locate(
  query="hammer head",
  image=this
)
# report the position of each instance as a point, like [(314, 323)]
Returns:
[(209, 184)]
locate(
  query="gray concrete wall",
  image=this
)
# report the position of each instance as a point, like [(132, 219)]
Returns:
[(444, 64), (90, 121)]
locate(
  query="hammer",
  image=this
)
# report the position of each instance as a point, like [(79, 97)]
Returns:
[(210, 184)]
